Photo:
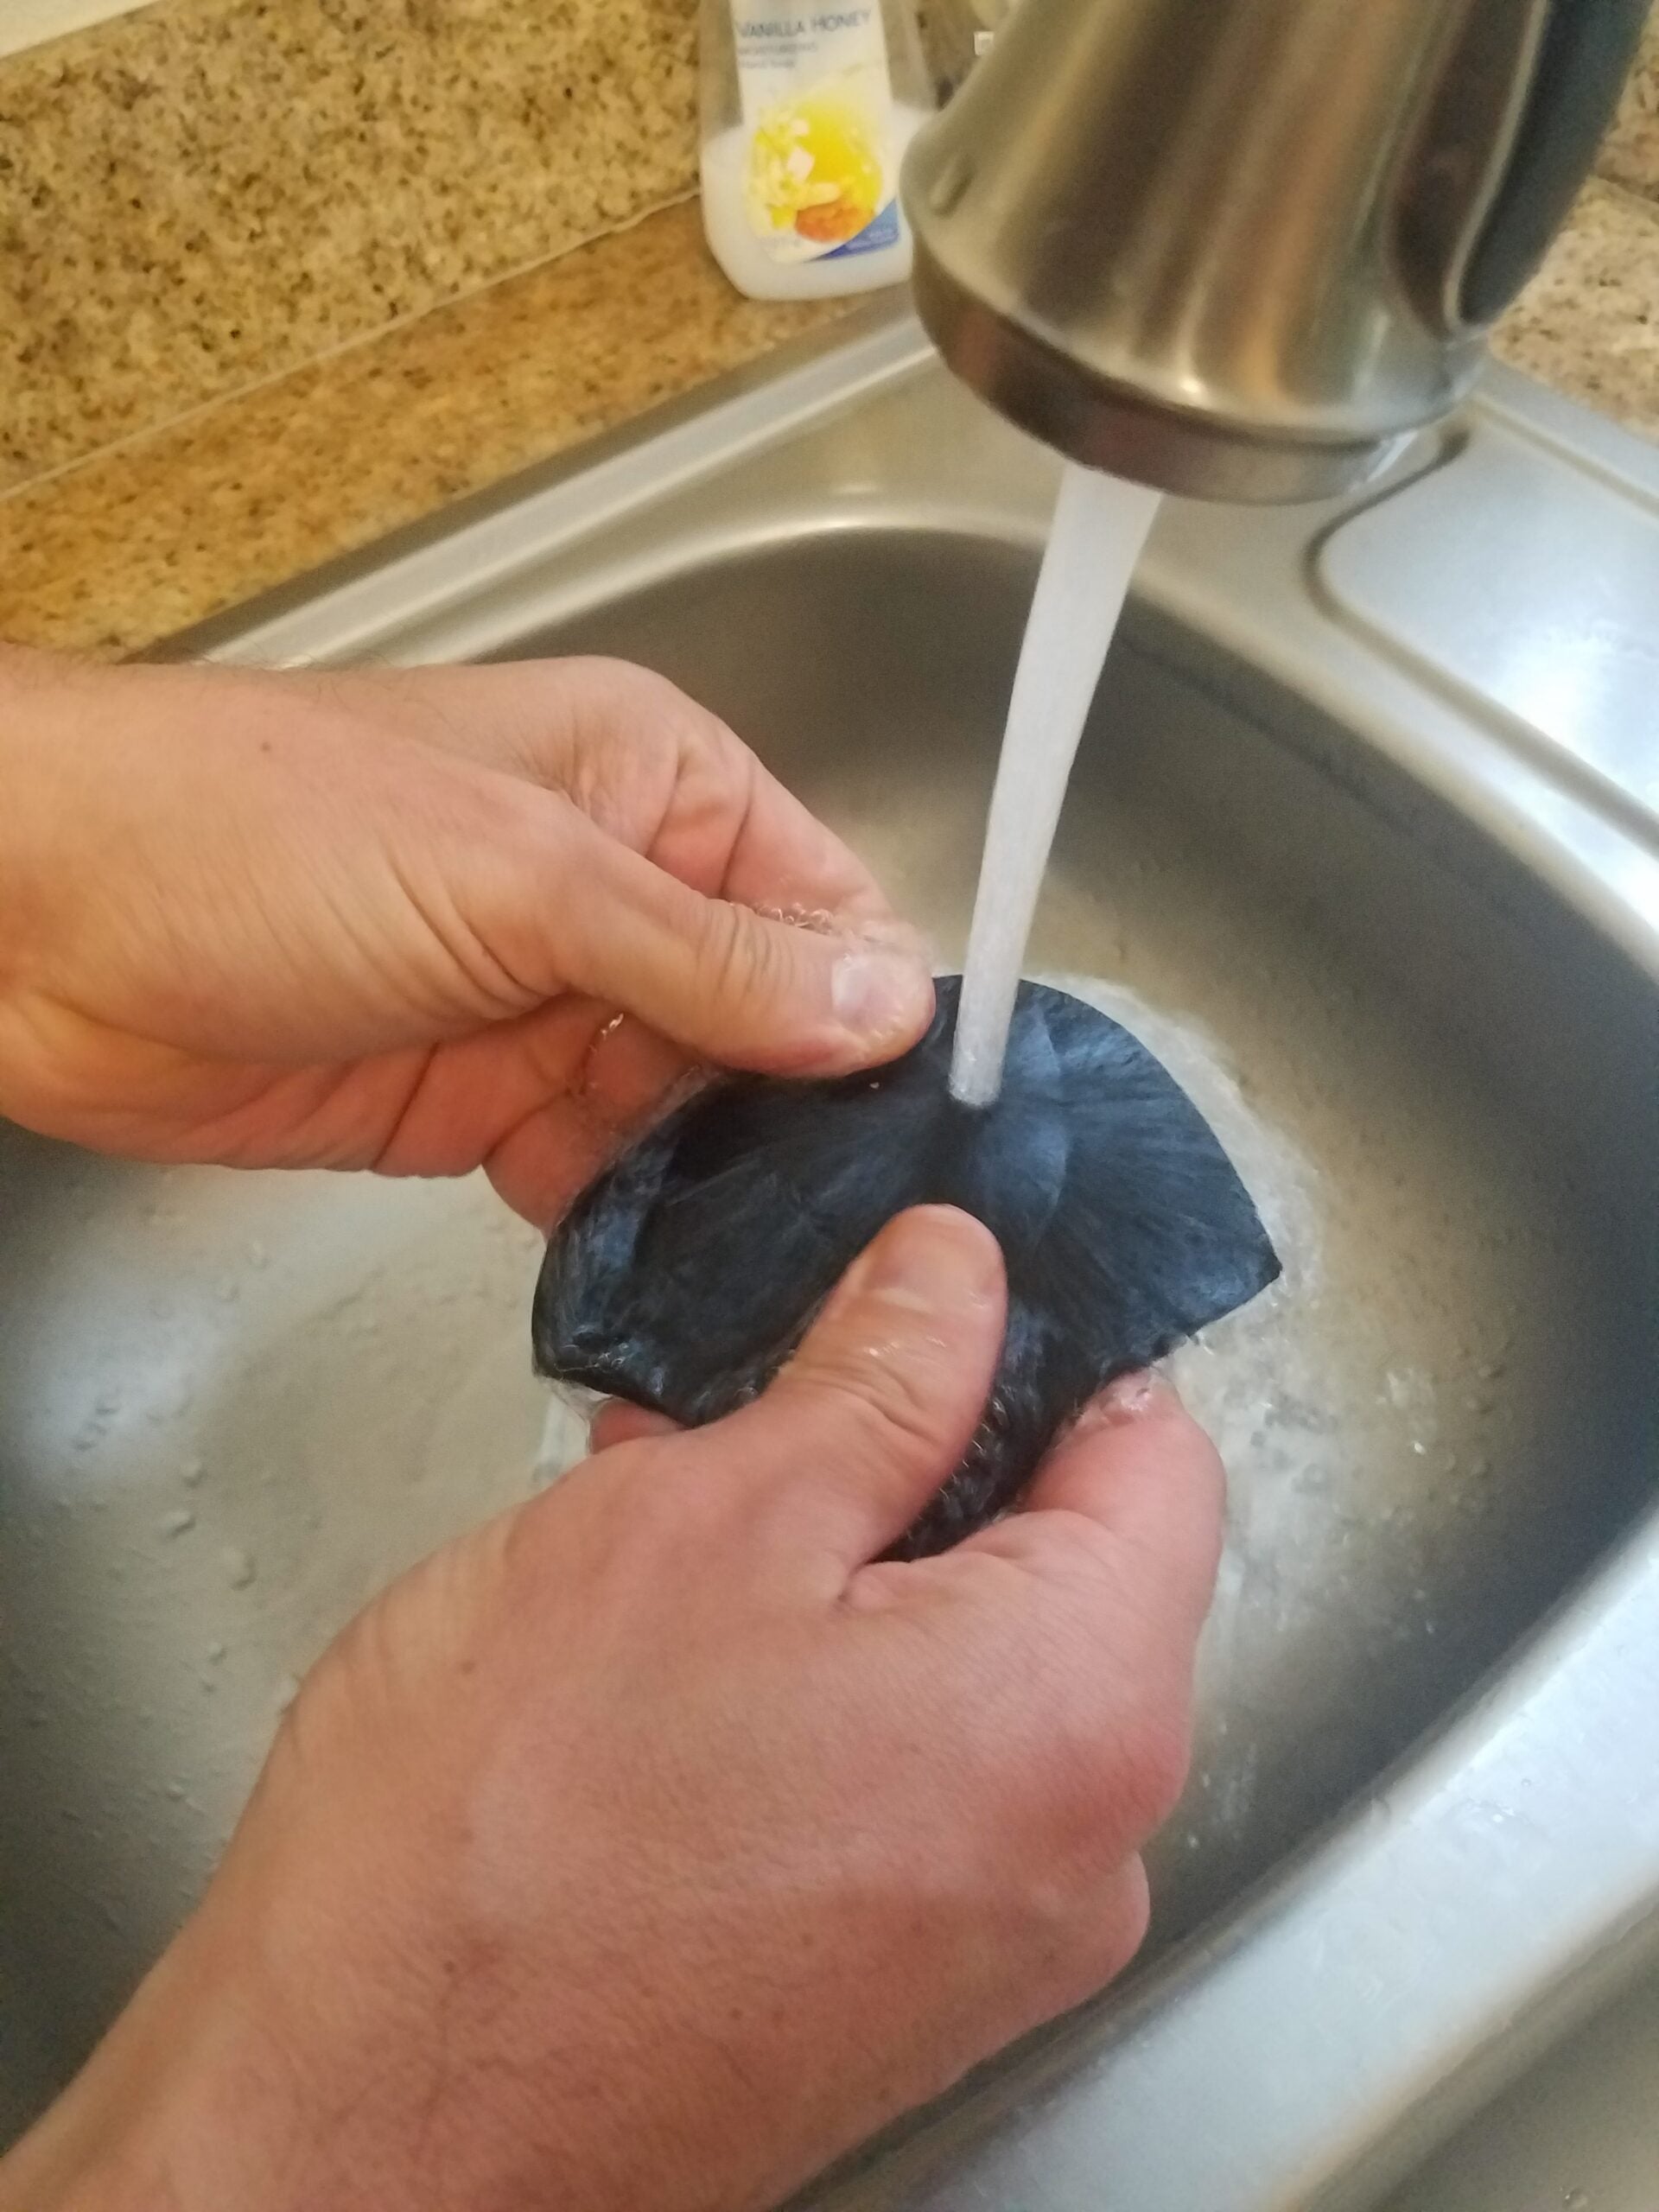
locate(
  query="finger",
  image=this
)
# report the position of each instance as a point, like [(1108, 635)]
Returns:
[(618, 1422), (873, 1413), (1137, 1468), (649, 765), (567, 1127), (542, 1102), (1104, 1940), (439, 896), (727, 984), (787, 959), (719, 821)]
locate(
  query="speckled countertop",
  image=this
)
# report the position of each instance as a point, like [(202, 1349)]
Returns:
[(169, 526)]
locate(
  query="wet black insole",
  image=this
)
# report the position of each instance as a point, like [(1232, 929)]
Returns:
[(688, 1273)]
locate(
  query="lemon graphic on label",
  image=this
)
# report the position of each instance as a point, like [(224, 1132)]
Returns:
[(814, 169)]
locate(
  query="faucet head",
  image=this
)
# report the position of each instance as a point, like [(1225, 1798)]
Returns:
[(1243, 250)]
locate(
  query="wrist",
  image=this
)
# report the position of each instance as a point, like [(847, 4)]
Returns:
[(179, 2109)]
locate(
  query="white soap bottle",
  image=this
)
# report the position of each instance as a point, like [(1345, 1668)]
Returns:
[(808, 106)]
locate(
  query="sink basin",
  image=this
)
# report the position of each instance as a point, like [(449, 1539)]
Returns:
[(1408, 964)]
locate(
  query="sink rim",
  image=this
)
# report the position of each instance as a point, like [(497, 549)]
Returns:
[(1245, 579), (1247, 584)]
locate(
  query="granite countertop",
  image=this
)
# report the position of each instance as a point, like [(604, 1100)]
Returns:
[(170, 526)]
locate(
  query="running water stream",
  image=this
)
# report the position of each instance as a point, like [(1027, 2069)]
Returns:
[(1100, 525)]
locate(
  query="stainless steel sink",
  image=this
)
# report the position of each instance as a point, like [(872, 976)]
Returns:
[(1403, 945)]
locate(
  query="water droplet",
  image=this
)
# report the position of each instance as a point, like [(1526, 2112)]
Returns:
[(215, 1654), (192, 1471), (171, 1405), (1576, 2200), (239, 1566), (257, 1256), (288, 1690), (175, 1791), (176, 1523), (229, 1290)]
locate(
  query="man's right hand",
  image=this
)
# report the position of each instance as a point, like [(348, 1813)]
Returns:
[(651, 1847)]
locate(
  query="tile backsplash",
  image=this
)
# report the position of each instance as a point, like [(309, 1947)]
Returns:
[(206, 194)]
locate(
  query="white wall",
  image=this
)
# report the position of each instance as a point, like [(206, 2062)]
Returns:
[(26, 22)]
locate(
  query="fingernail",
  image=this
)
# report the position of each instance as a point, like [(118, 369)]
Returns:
[(879, 995), (929, 1260), (1130, 1397)]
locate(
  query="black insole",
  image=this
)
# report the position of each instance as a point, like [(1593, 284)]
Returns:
[(688, 1273)]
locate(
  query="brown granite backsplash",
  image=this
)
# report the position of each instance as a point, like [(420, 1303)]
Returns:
[(213, 192), (201, 513)]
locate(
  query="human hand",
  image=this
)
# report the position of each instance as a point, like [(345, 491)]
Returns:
[(648, 1849), (389, 920)]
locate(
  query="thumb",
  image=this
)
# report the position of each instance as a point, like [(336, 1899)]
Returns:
[(732, 986), (875, 1410)]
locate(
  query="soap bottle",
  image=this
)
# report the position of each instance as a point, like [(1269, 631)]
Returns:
[(808, 106)]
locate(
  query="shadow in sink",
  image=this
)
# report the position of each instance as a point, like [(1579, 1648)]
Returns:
[(230, 1407), (235, 1408)]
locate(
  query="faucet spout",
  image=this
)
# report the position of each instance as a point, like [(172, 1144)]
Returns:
[(1243, 249)]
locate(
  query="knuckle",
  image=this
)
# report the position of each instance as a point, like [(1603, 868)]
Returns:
[(1149, 1765), (1069, 1550), (884, 1398), (1082, 1935), (1133, 1916), (671, 1496), (1118, 1928), (739, 959), (1115, 1764)]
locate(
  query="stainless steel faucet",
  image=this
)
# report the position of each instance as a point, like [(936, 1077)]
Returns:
[(1242, 249)]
